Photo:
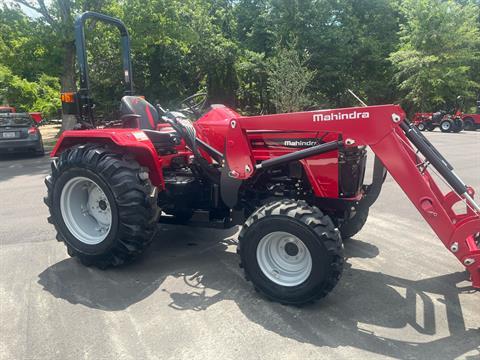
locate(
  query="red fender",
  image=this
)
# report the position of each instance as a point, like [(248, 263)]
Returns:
[(134, 142)]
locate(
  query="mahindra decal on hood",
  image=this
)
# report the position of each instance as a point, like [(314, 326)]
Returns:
[(290, 143)]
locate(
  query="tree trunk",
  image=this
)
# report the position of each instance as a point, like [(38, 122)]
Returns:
[(68, 81)]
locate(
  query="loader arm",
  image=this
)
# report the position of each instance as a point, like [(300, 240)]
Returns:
[(405, 153)]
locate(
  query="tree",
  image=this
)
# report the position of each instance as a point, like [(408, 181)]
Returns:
[(288, 79), (438, 46), (16, 91), (47, 100), (252, 96), (59, 16), (224, 46), (25, 95)]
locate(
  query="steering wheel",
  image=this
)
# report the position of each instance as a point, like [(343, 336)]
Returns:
[(194, 104)]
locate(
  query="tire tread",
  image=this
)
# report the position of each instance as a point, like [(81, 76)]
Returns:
[(137, 213), (321, 225)]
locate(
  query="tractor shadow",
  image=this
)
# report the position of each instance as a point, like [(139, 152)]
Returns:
[(196, 268)]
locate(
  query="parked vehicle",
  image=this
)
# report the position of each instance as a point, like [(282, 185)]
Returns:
[(441, 119), (7, 109), (471, 121), (295, 182), (19, 133), (423, 121)]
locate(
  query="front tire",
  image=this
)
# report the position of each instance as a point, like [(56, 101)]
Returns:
[(102, 205), (352, 226), (446, 126), (421, 126), (292, 252)]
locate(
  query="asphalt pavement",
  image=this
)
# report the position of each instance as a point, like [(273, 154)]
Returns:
[(402, 295)]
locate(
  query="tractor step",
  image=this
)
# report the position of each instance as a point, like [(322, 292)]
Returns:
[(202, 218)]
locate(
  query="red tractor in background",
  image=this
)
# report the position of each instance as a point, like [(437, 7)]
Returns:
[(455, 122), (472, 121), (420, 120), (294, 182), (441, 119)]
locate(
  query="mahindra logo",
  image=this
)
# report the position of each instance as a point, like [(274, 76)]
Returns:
[(300, 143), (341, 116)]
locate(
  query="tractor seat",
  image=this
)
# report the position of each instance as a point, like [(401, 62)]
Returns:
[(149, 117)]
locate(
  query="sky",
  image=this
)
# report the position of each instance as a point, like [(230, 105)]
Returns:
[(26, 10)]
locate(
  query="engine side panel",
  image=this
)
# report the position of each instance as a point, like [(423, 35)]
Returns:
[(322, 170)]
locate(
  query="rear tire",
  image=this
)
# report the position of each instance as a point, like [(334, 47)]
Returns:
[(457, 125), (429, 126), (352, 226), (291, 252), (469, 124), (446, 126), (102, 208)]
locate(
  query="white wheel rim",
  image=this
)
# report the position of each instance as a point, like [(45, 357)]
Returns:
[(284, 258), (421, 126), (85, 210), (446, 126)]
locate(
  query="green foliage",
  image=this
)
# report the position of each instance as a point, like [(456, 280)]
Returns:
[(47, 100), (16, 91), (420, 52), (439, 44), (28, 47), (25, 95), (288, 80), (252, 95)]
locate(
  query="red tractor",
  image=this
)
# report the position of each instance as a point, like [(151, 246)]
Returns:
[(294, 182), (445, 122), (421, 120), (472, 121)]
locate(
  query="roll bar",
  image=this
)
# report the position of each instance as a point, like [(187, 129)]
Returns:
[(86, 103)]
